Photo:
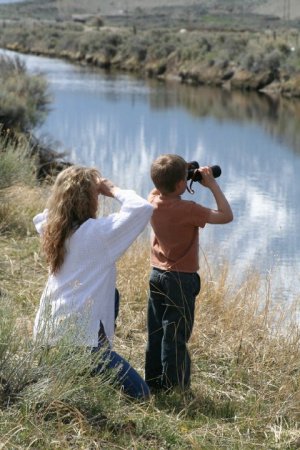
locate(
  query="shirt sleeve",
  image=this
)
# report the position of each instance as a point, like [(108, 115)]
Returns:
[(124, 226), (40, 220), (199, 215)]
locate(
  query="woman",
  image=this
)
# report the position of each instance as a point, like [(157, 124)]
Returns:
[(78, 302)]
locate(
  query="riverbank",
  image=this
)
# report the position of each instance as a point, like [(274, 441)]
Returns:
[(244, 348), (244, 60), (24, 105)]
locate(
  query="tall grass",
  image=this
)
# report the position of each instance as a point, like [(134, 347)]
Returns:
[(18, 197), (15, 164), (245, 352), (245, 381)]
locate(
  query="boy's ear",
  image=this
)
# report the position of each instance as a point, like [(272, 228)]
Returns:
[(180, 185)]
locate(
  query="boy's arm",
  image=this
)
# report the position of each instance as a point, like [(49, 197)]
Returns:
[(224, 213)]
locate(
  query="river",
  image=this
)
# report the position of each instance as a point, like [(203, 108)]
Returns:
[(7, 2), (120, 123)]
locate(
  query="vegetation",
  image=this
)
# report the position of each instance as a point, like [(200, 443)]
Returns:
[(245, 352), (229, 14), (223, 43), (245, 348), (23, 98), (244, 60), (24, 101)]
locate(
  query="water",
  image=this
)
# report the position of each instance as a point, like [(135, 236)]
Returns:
[(7, 2), (121, 123)]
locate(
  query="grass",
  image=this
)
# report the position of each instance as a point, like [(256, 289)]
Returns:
[(244, 348)]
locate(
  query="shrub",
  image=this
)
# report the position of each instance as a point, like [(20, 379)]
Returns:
[(23, 98), (273, 60), (139, 48)]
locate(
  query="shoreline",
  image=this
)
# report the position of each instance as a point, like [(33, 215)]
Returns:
[(241, 80), (198, 58)]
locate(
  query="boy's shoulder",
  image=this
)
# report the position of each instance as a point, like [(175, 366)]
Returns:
[(156, 199), (176, 207)]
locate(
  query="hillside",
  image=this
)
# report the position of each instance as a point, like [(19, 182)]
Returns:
[(193, 14), (285, 9)]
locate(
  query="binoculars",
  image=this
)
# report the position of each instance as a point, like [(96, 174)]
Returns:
[(196, 176), (193, 175)]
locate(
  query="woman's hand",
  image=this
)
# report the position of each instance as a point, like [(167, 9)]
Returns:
[(106, 187)]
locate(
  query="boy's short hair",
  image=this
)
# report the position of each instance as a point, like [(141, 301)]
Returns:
[(167, 170)]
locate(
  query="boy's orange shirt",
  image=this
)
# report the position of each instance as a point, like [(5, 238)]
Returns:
[(175, 223)]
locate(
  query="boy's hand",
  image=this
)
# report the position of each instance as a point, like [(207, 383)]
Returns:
[(106, 187), (224, 213), (208, 179)]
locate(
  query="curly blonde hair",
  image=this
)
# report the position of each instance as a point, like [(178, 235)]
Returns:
[(74, 199)]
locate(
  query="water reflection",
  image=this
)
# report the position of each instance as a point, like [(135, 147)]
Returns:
[(7, 2), (280, 117), (120, 124)]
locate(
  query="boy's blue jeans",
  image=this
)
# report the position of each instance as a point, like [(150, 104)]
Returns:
[(171, 309)]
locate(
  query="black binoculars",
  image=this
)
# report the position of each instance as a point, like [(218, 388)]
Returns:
[(196, 176)]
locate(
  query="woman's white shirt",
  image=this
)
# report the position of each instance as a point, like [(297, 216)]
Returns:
[(82, 293)]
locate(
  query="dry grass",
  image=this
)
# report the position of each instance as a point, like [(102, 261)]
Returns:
[(18, 203), (245, 353)]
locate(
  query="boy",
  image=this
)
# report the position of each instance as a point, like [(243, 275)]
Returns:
[(174, 281)]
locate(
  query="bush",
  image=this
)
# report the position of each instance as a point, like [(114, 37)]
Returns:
[(273, 60), (23, 98)]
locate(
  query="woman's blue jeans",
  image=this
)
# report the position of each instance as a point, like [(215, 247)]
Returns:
[(170, 322), (122, 372)]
